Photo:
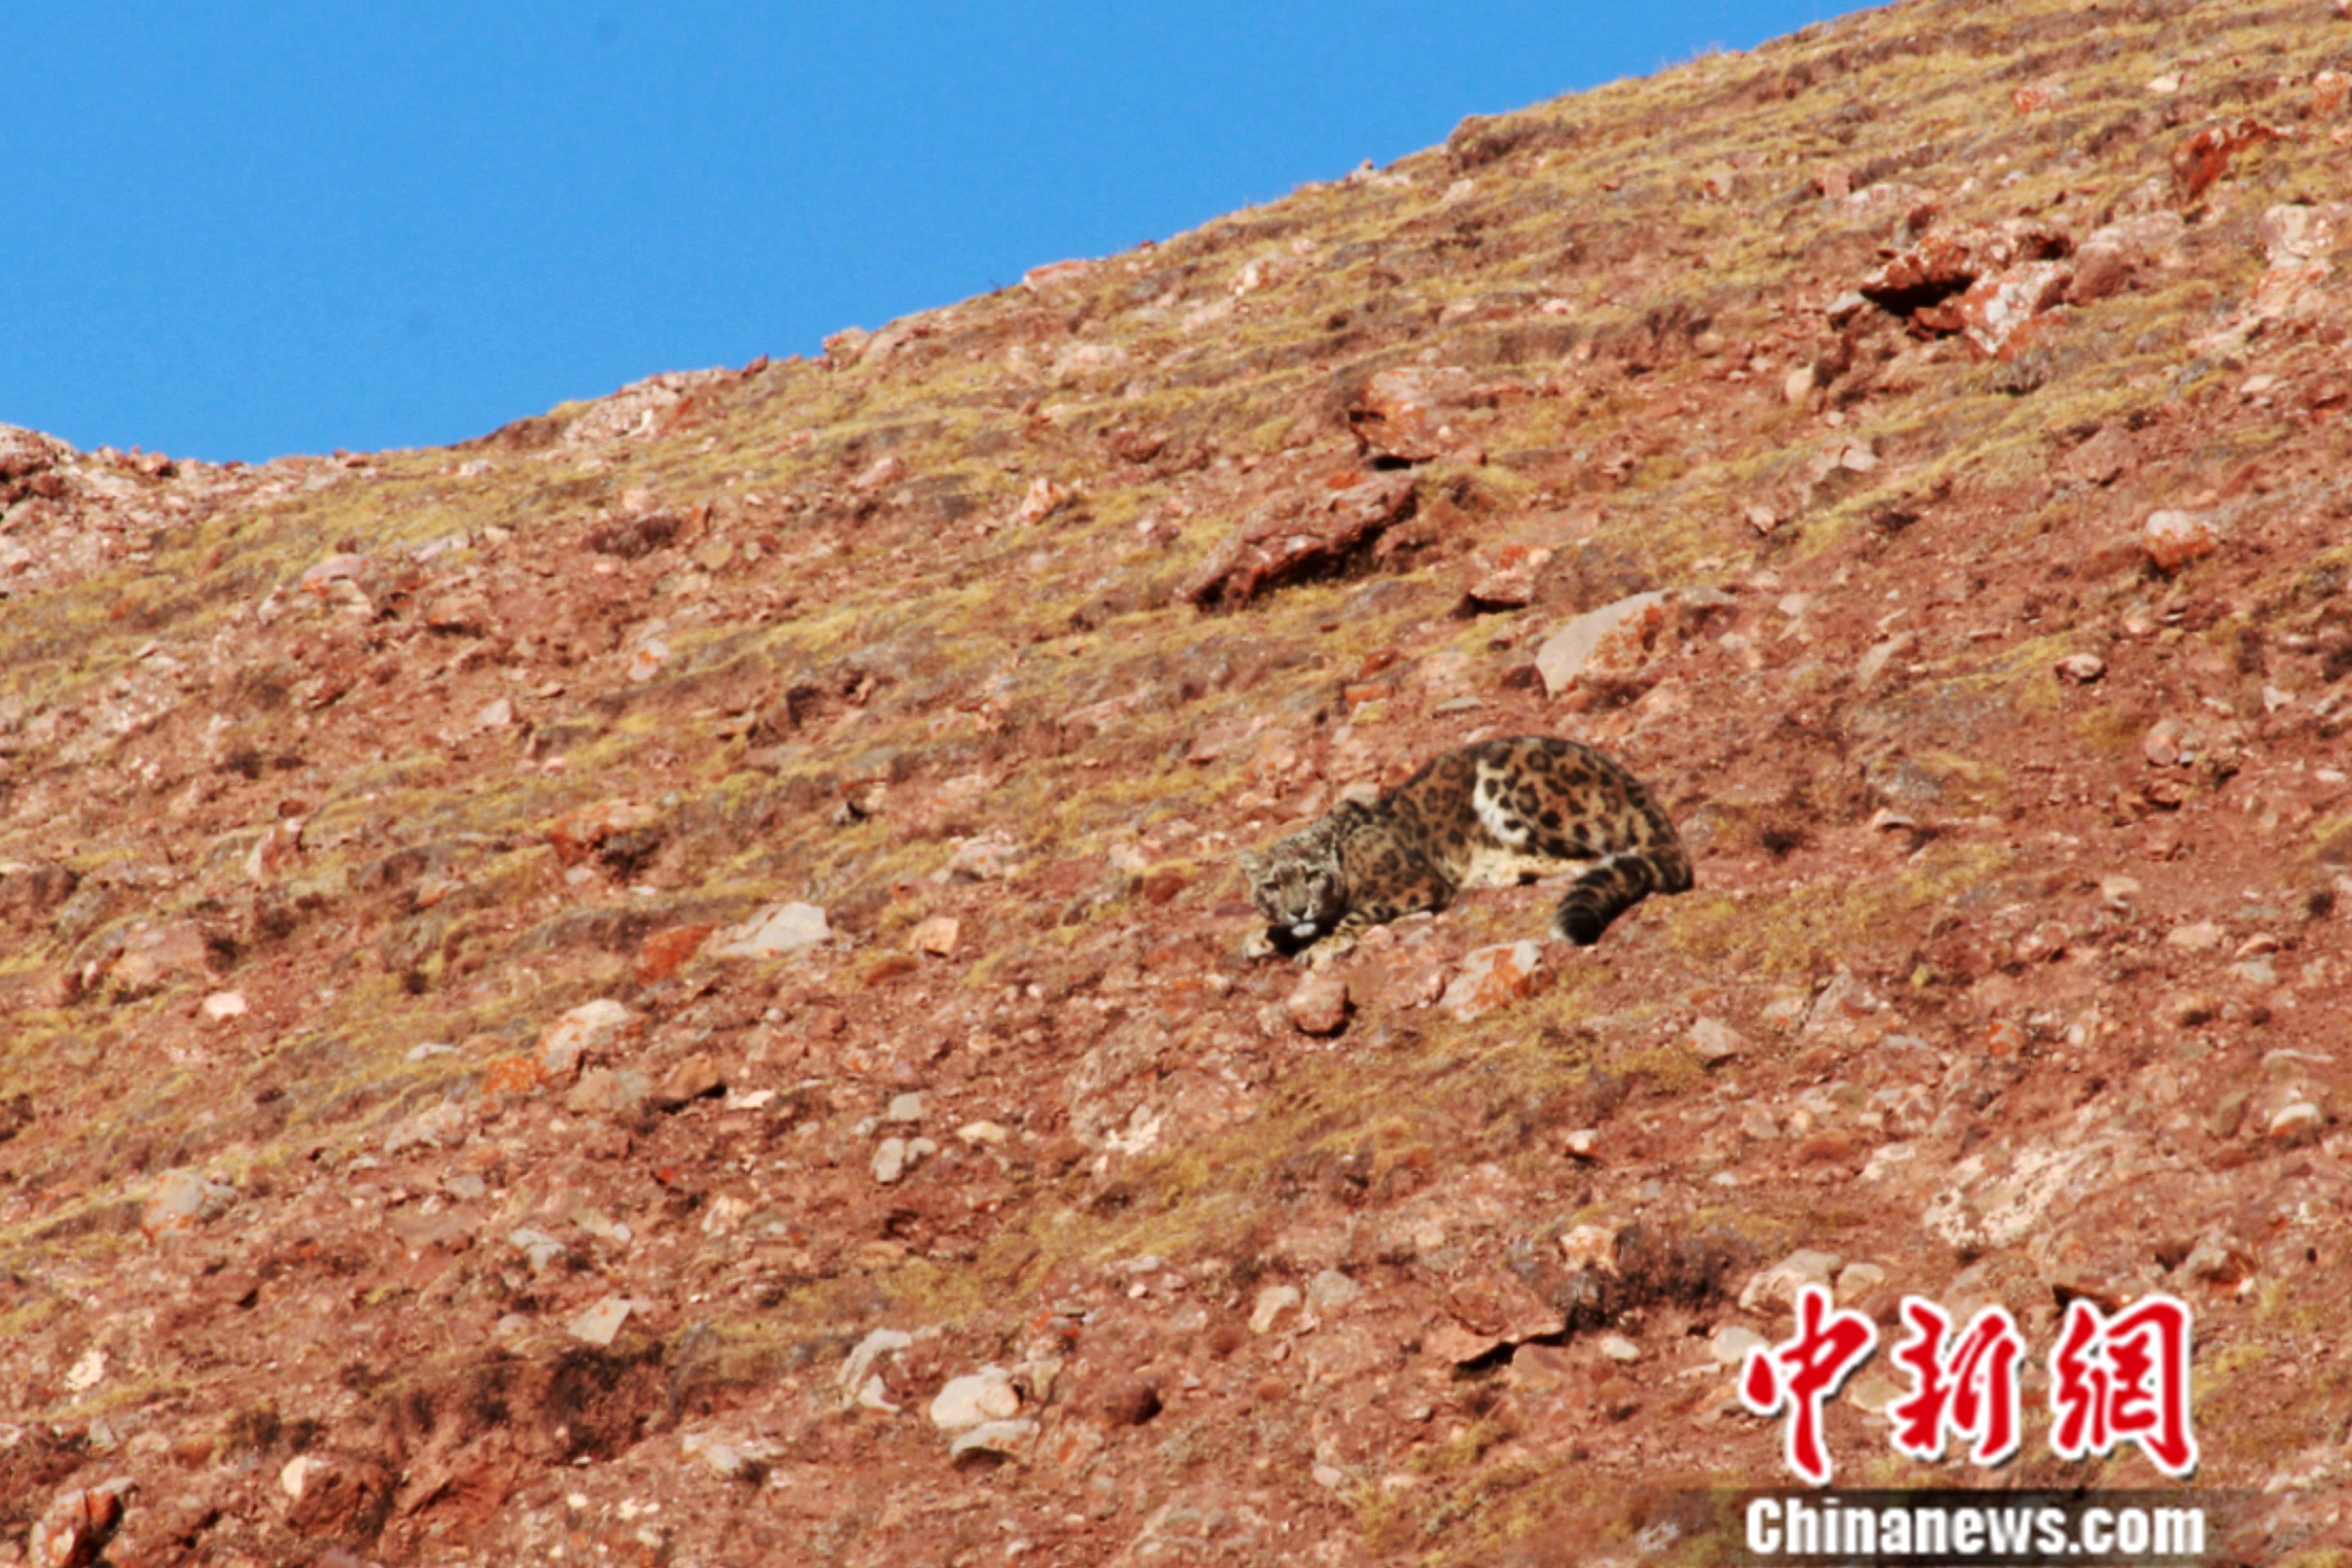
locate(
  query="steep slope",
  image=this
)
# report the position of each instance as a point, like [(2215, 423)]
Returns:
[(400, 1168)]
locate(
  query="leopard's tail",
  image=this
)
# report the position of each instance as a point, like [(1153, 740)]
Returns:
[(1614, 885)]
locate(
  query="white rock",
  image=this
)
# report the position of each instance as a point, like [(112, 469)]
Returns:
[(904, 1108), (1856, 1280), (600, 1324), (1878, 655), (589, 1029), (2202, 936), (965, 1402), (1716, 1041), (1330, 1290), (1613, 640), (1009, 1437), (436, 1126), (181, 1199), (1779, 1285), (727, 1457), (889, 1160), (1273, 1300), (537, 1245), (722, 1457), (2298, 1122), (987, 858), (88, 1371), (1617, 1347), (1731, 1343), (859, 1382), (294, 1476), (1591, 1247), (780, 929)]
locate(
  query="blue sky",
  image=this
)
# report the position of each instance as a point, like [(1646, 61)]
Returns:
[(239, 230)]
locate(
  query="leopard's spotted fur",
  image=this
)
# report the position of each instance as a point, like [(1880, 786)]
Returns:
[(1496, 812)]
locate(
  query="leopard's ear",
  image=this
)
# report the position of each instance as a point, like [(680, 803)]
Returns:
[(1252, 865)]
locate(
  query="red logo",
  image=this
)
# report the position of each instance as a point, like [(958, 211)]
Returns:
[(1967, 1389), (2111, 1378), (2124, 1377), (1803, 1372)]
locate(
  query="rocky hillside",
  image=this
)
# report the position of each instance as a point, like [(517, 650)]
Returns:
[(663, 986)]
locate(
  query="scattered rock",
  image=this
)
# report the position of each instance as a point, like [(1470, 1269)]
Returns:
[(1494, 977), (2081, 669), (74, 1529), (1856, 1280), (577, 835), (181, 1200), (730, 1459), (1616, 1347), (1051, 276), (1305, 532), (2297, 1122), (1730, 1346), (1716, 1041), (2187, 1009), (436, 1126), (1615, 640), (1320, 1005), (860, 1384), (1330, 1290), (775, 931), (1923, 282), (665, 953), (1403, 413), (1997, 310), (537, 1245), (274, 851), (1503, 577), (2173, 539), (593, 1028), (935, 936), (2200, 936), (965, 1402), (602, 1323), (1008, 1439), (23, 452), (1273, 1300), (2167, 743), (1042, 500), (1778, 1285), (1878, 655), (608, 1092), (988, 857), (2205, 156), (1590, 1246), (2219, 1261)]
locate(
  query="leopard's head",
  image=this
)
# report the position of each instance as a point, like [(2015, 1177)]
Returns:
[(1298, 887)]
